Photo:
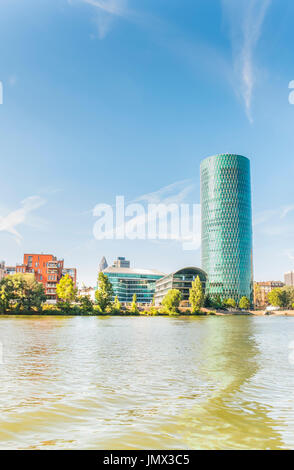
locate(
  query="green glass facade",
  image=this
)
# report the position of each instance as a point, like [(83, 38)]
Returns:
[(227, 226), (127, 282)]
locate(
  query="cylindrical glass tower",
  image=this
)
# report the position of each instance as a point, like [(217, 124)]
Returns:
[(227, 226)]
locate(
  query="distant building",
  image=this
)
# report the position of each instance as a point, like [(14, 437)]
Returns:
[(121, 262), (10, 270), (87, 292), (262, 289), (126, 282), (289, 278), (103, 264), (181, 280), (2, 270)]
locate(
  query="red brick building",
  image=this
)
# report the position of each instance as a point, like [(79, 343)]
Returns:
[(47, 269)]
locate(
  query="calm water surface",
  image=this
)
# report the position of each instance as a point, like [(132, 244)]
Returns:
[(135, 383)]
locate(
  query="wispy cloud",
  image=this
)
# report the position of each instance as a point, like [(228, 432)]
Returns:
[(287, 210), (198, 54), (114, 7), (276, 222), (173, 193), (245, 18), (106, 11), (19, 216)]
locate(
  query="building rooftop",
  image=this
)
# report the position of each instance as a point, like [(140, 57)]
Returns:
[(187, 270), (114, 269)]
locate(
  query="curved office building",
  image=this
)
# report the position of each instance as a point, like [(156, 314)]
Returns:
[(181, 280), (227, 226)]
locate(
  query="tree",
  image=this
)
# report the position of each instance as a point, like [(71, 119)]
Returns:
[(116, 305), (104, 293), (66, 291), (207, 301), (244, 303), (34, 295), (288, 292), (86, 304), (257, 295), (277, 297), (6, 293), (218, 302), (196, 298), (24, 290), (230, 303), (172, 301), (134, 309)]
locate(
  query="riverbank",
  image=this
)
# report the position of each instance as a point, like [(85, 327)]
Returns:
[(205, 313), (105, 314)]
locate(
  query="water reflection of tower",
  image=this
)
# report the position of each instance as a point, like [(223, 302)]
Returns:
[(233, 414)]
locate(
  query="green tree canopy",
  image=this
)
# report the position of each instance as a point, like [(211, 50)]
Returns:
[(244, 303), (172, 301), (218, 303), (85, 303), (230, 303), (23, 290), (104, 293), (6, 293), (134, 309), (116, 305), (65, 289), (288, 299), (277, 297), (196, 297)]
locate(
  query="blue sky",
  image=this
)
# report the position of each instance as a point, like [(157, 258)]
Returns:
[(106, 98)]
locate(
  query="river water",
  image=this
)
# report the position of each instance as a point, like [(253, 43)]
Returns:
[(146, 383)]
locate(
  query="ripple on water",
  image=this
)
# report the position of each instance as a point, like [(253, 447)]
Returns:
[(135, 383)]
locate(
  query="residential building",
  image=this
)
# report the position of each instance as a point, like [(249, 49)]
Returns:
[(47, 269), (262, 289), (181, 280), (227, 226), (121, 262), (126, 282), (289, 278)]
